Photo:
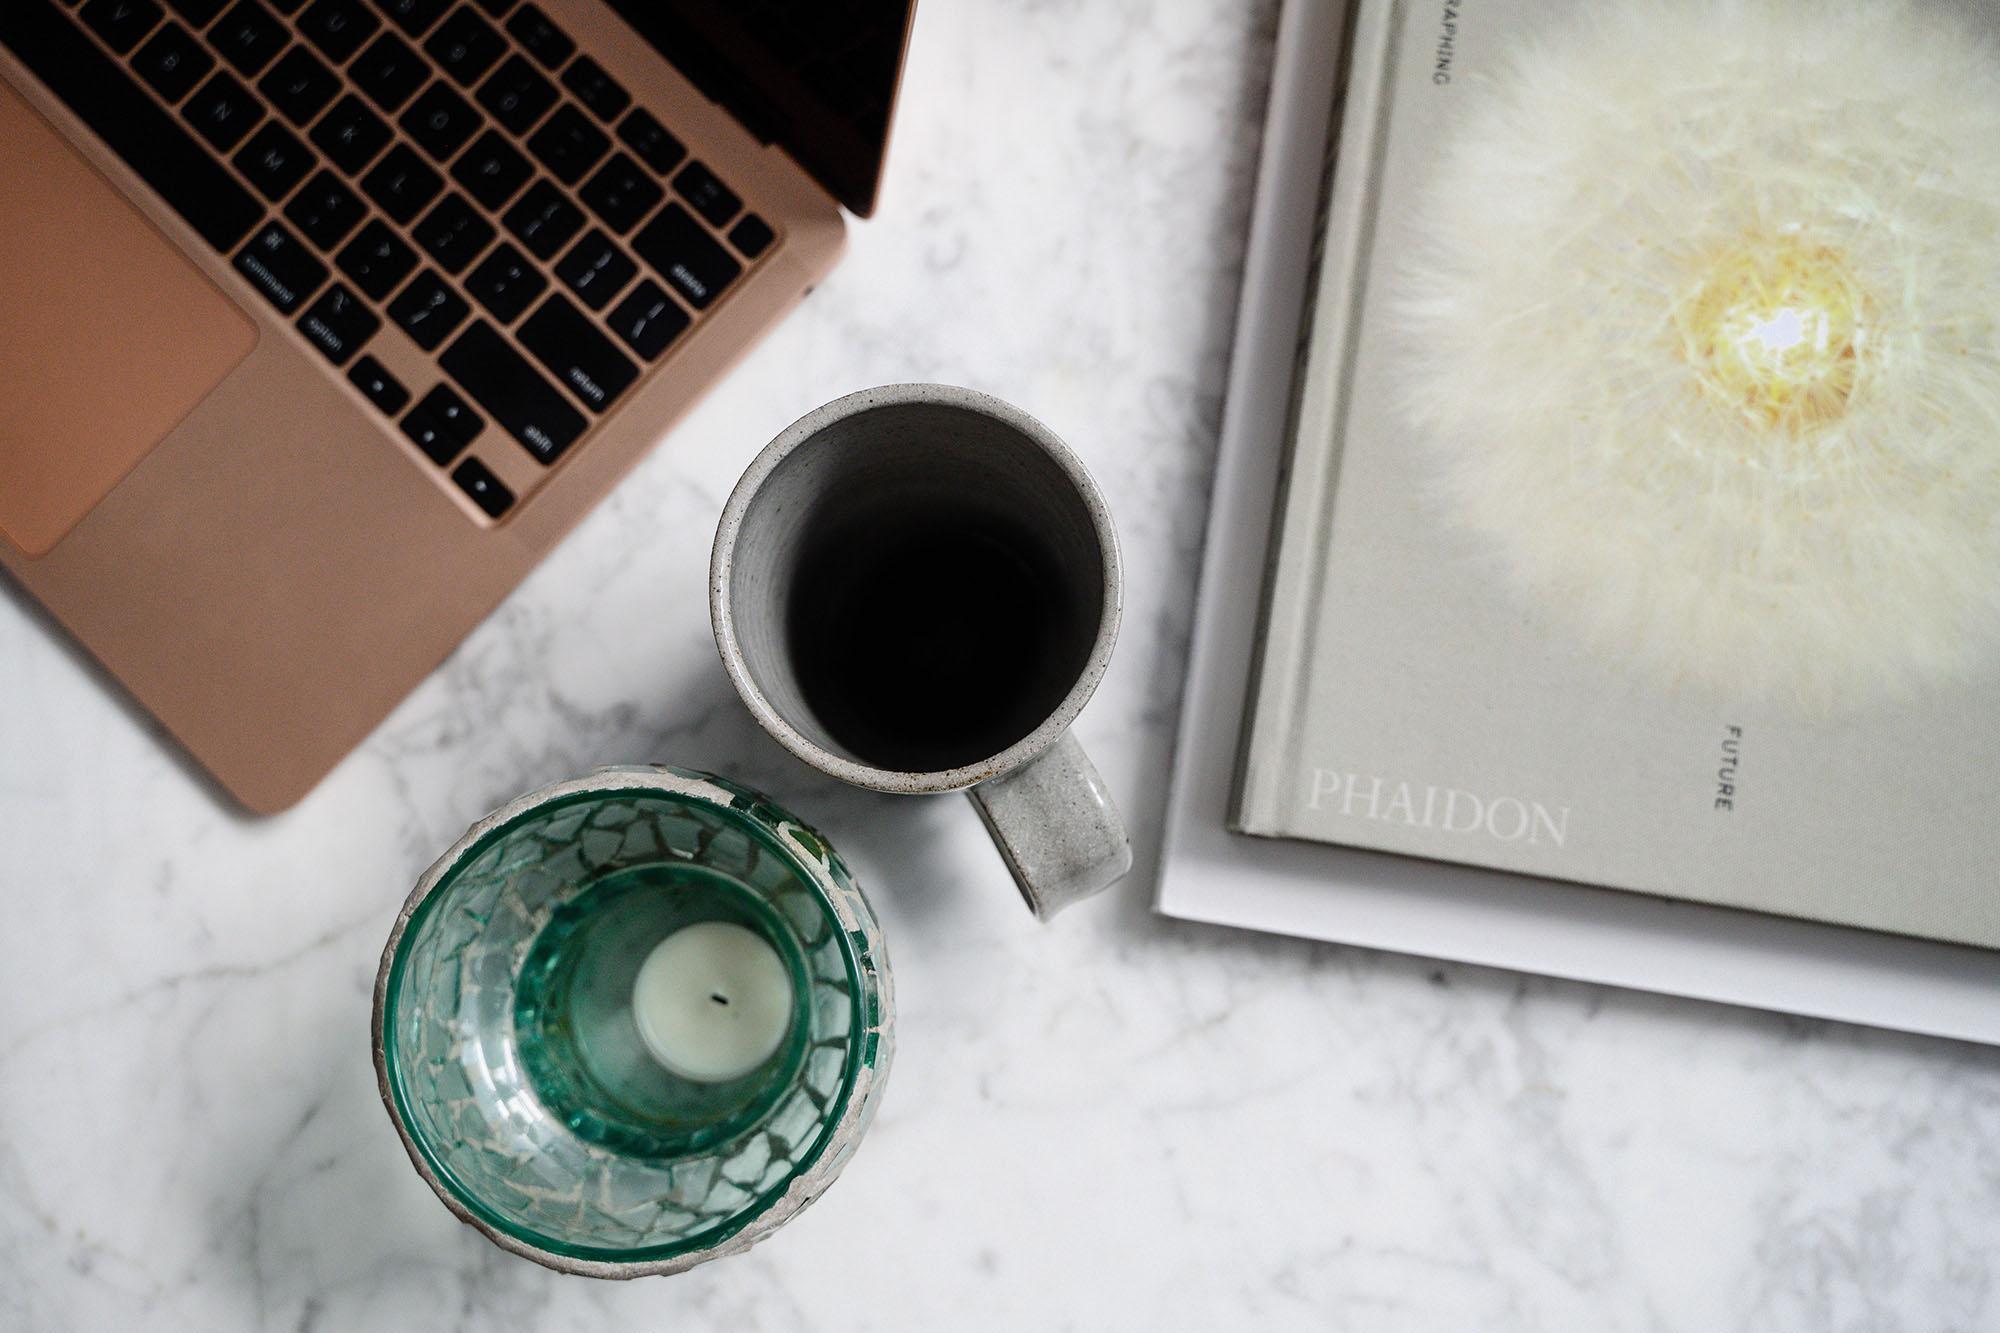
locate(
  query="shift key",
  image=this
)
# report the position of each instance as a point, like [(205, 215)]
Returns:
[(576, 353), (517, 396)]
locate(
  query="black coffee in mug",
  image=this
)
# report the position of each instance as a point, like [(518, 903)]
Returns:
[(915, 588), (931, 633)]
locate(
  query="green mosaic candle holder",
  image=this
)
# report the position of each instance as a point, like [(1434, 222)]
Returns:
[(510, 1061)]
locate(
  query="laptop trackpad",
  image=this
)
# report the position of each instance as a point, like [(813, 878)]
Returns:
[(108, 335)]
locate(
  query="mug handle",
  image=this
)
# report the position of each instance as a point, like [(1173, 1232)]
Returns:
[(1056, 827)]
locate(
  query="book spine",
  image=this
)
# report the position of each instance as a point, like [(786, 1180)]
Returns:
[(1293, 588)]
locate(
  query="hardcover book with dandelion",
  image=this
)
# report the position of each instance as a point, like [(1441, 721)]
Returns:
[(1642, 515)]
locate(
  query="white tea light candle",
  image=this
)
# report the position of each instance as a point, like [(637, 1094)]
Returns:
[(712, 1001)]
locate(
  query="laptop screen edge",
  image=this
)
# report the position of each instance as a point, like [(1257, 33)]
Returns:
[(825, 91)]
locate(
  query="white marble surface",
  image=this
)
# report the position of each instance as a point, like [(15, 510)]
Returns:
[(1112, 1122)]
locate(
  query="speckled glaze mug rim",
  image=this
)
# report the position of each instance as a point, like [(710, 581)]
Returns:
[(816, 1170), (804, 431)]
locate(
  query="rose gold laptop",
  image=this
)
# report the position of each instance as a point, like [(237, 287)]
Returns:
[(321, 321)]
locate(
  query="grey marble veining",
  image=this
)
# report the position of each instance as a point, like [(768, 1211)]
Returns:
[(1109, 1122)]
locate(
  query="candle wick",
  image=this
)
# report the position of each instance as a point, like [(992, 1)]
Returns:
[(718, 997)]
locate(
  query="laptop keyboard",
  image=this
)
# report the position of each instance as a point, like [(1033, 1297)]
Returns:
[(456, 170)]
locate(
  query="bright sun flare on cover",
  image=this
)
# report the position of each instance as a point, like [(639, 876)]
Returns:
[(1776, 329)]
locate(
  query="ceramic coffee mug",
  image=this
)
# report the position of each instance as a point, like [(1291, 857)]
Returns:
[(915, 588)]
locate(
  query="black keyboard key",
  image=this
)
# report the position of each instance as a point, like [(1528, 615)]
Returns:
[(249, 36), (402, 184), (377, 260), (428, 434), (121, 23), (453, 233), (516, 95), (622, 193), (753, 235), (542, 38), (543, 219), (686, 255), (477, 480), (516, 395), (223, 111), (413, 16), (650, 140), (299, 85), (338, 27), (288, 6), (198, 13), (440, 121), (505, 283), (390, 71), (497, 8), (351, 134), (708, 196), (428, 310), (465, 46), (596, 270), (338, 324), (453, 413), (564, 340), (378, 386), (648, 319), (491, 171), (280, 267), (325, 210), (173, 62), (596, 89), (274, 160), (137, 128), (568, 144)]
